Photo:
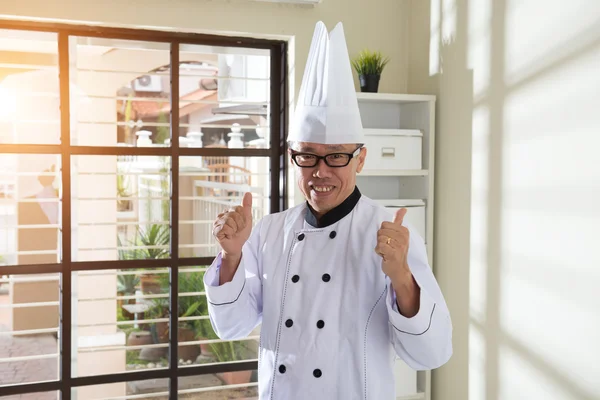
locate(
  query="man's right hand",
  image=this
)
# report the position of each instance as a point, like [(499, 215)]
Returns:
[(232, 228)]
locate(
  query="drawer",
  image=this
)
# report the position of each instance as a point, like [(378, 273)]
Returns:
[(393, 149)]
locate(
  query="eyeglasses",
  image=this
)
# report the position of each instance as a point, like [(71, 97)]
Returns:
[(334, 160)]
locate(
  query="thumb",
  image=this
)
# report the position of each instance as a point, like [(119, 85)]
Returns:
[(399, 217), (247, 204)]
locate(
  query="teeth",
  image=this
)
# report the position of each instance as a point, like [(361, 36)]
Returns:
[(322, 188)]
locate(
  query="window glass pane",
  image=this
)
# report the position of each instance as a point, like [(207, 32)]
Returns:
[(224, 97), (29, 87), (193, 317), (218, 386), (198, 343), (123, 92), (34, 396), (120, 320), (155, 389), (30, 209), (211, 185), (29, 315), (121, 207)]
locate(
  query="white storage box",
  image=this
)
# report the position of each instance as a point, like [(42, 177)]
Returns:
[(415, 214), (393, 149)]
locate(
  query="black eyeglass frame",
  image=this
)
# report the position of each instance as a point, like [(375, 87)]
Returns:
[(324, 158)]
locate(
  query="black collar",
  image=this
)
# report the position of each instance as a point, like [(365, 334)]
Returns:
[(335, 214)]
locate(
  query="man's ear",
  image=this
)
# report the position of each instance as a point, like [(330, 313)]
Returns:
[(361, 159)]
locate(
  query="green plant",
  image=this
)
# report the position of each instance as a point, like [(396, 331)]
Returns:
[(156, 236), (132, 357), (127, 284), (122, 186), (162, 132), (369, 63), (164, 185), (223, 351), (230, 351), (128, 129), (189, 306)]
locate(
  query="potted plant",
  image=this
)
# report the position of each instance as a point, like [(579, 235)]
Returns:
[(188, 306), (156, 237), (159, 331), (204, 331), (369, 66), (225, 352), (232, 351)]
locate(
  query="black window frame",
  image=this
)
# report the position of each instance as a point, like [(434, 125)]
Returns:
[(278, 192)]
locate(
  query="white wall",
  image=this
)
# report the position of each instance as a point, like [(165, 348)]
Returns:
[(517, 194)]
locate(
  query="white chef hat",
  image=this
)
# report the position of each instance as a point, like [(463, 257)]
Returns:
[(327, 109)]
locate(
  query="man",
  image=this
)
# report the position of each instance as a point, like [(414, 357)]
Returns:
[(339, 284)]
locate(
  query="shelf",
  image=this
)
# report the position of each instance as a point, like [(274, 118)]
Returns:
[(394, 98), (392, 132), (416, 396), (401, 202), (394, 172)]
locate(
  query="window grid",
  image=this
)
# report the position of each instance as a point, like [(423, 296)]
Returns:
[(278, 195)]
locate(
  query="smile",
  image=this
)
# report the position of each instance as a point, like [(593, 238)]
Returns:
[(322, 189)]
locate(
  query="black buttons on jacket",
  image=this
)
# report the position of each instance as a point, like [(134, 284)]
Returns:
[(317, 373), (289, 323), (301, 236), (326, 277), (282, 369), (320, 324), (295, 278), (332, 234)]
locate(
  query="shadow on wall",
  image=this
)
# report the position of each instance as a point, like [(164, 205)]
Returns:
[(515, 120)]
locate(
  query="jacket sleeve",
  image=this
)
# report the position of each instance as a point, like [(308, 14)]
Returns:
[(424, 341), (235, 308)]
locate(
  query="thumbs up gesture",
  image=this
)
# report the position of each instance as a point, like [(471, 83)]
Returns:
[(392, 246), (232, 228)]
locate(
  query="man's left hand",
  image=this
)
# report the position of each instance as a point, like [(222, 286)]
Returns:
[(392, 246)]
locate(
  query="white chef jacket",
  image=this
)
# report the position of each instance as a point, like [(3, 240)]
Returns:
[(330, 323)]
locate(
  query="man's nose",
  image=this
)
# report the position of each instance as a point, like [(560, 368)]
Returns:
[(322, 170)]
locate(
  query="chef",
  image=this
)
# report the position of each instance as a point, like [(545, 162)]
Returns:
[(339, 284)]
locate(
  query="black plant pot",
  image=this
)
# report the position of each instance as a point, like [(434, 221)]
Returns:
[(369, 83)]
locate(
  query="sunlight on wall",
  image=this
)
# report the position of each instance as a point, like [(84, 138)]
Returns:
[(443, 30), (551, 189), (449, 19), (542, 90), (478, 252), (550, 218), (534, 190), (479, 213), (435, 37), (478, 52)]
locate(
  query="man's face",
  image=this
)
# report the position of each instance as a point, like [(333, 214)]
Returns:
[(324, 186)]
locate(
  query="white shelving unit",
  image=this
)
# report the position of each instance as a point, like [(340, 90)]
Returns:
[(400, 130)]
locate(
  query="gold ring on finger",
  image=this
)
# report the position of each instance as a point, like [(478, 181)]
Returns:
[(388, 240)]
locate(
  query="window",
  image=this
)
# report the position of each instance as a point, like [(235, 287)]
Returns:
[(118, 148)]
